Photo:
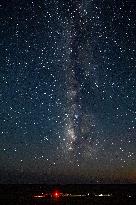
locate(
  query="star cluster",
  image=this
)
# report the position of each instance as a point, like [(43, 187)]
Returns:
[(68, 88)]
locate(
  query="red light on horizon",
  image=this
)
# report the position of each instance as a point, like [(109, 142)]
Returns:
[(56, 194)]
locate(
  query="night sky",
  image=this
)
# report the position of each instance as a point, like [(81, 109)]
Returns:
[(68, 91)]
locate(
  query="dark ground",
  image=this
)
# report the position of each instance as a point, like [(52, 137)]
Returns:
[(23, 194)]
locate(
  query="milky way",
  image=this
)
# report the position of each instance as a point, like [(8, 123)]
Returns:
[(79, 124), (73, 88)]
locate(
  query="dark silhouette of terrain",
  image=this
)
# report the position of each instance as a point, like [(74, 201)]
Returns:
[(90, 194)]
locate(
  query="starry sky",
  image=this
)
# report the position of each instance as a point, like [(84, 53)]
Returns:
[(68, 91)]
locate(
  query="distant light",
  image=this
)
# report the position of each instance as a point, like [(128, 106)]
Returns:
[(103, 195), (56, 194), (42, 195), (38, 196)]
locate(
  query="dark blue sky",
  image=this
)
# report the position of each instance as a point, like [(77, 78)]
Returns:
[(67, 94)]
